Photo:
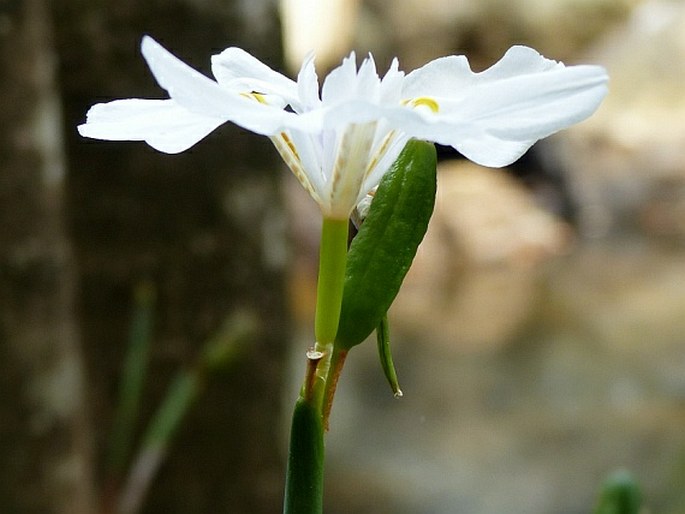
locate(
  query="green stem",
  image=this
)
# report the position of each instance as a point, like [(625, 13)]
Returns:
[(329, 291), (332, 260), (304, 475)]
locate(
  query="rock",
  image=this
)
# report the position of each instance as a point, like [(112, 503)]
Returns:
[(478, 257), (626, 164), (420, 30), (590, 381), (492, 218)]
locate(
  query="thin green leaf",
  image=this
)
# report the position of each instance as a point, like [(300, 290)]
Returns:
[(132, 379), (180, 396)]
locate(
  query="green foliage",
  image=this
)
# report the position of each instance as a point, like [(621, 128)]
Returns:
[(620, 495), (179, 397), (129, 483), (383, 250), (132, 379), (227, 346)]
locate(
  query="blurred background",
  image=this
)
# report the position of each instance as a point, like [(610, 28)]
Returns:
[(155, 309)]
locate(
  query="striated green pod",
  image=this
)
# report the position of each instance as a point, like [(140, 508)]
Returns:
[(304, 475), (381, 253)]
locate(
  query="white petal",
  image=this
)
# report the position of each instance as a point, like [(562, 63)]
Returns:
[(339, 83), (163, 124), (309, 151), (493, 117), (450, 76), (519, 60), (367, 83), (330, 138), (491, 151), (391, 85), (442, 77), (187, 86), (201, 95), (291, 156), (237, 70), (395, 146), (534, 106), (349, 170), (354, 111), (308, 86), (505, 118)]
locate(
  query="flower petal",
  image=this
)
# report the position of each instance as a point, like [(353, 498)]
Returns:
[(367, 83), (307, 86), (391, 85), (446, 76), (451, 76), (494, 116), (349, 170), (534, 106), (201, 95), (190, 88), (512, 115), (238, 71), (519, 60), (307, 146), (163, 124), (386, 151), (340, 82)]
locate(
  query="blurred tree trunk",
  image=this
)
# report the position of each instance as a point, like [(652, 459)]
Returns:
[(205, 227), (44, 437)]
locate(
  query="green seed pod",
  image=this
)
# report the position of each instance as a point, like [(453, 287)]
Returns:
[(381, 253), (304, 475)]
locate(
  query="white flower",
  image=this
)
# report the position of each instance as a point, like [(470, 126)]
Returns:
[(340, 141)]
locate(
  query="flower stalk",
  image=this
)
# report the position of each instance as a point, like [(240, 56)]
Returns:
[(304, 475), (332, 261)]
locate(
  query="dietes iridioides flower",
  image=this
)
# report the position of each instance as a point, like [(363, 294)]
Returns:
[(339, 140)]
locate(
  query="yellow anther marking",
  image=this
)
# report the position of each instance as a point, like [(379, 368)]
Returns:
[(255, 96), (423, 101)]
